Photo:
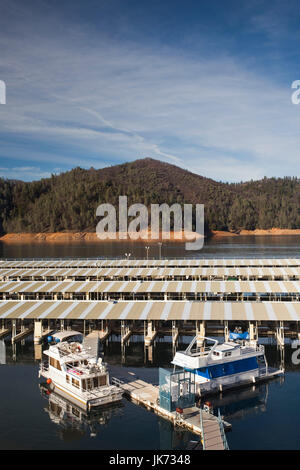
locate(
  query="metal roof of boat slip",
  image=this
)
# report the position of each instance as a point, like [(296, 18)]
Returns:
[(136, 287), (149, 272), (96, 263), (150, 310)]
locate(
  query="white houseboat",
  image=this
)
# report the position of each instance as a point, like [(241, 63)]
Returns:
[(217, 367), (75, 371)]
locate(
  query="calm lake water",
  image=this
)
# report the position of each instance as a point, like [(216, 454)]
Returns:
[(262, 417)]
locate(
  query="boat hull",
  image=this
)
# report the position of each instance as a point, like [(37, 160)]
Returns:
[(212, 388), (114, 395)]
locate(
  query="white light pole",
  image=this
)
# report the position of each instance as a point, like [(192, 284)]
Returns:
[(147, 249)]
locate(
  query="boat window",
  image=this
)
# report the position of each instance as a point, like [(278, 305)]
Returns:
[(95, 382), (228, 353), (215, 353), (67, 379), (55, 363), (102, 380), (75, 383), (75, 412), (88, 384)]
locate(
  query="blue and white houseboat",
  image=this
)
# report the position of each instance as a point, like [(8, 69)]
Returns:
[(217, 367)]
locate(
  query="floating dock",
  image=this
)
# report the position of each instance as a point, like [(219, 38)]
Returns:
[(200, 422)]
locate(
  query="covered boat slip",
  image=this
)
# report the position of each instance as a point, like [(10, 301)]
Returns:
[(150, 311), (154, 273), (147, 290), (131, 263)]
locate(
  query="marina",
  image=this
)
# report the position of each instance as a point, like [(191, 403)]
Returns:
[(149, 307), (147, 311)]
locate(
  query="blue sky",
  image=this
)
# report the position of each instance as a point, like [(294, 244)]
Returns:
[(203, 85)]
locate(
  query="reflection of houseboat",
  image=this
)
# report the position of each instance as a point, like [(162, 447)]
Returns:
[(75, 370), (73, 419), (238, 404), (217, 367)]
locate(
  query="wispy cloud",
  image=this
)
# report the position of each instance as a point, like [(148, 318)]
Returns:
[(93, 101)]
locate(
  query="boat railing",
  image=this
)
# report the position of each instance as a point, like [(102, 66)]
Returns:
[(199, 350), (262, 371), (249, 349), (97, 392), (44, 367), (80, 371), (202, 429), (117, 382)]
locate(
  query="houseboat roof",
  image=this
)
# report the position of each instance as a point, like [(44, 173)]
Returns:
[(63, 335)]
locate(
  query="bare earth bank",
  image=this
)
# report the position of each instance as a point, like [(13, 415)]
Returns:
[(92, 236)]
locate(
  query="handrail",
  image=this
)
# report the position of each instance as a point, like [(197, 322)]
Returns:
[(202, 431), (117, 382), (222, 430)]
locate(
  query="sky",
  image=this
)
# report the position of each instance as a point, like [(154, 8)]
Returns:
[(202, 85)]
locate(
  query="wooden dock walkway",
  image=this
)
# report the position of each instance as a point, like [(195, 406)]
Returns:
[(195, 420), (22, 335), (5, 332), (211, 432), (101, 334)]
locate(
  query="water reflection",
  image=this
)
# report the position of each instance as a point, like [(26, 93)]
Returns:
[(75, 425), (2, 352), (74, 422), (239, 404)]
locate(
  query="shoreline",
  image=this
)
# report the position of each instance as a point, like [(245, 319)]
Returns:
[(62, 237)]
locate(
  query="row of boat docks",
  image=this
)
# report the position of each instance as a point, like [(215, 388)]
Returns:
[(35, 294), (151, 270)]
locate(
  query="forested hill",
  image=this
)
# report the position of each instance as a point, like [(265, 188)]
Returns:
[(68, 202)]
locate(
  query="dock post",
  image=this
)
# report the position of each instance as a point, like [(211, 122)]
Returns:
[(125, 332), (200, 332), (175, 333), (22, 331), (151, 332), (38, 331), (253, 331), (226, 330), (37, 352), (280, 334), (13, 330)]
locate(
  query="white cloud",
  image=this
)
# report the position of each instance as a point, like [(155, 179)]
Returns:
[(118, 102), (24, 173)]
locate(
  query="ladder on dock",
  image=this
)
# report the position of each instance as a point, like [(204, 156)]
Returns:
[(212, 430)]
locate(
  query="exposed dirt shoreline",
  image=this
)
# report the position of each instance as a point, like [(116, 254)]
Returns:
[(62, 237)]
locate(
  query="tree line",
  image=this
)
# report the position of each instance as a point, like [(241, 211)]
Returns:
[(68, 202)]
